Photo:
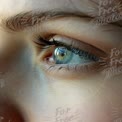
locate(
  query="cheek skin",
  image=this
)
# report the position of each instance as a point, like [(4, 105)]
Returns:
[(91, 99), (35, 93), (105, 105)]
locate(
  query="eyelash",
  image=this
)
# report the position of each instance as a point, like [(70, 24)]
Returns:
[(46, 44), (84, 68)]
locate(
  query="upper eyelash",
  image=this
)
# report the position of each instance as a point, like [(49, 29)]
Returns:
[(76, 51)]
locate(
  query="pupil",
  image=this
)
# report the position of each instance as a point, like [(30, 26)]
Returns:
[(61, 52)]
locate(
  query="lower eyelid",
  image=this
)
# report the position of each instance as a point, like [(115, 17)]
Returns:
[(64, 69), (70, 70)]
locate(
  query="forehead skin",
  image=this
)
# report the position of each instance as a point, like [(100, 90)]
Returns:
[(11, 7)]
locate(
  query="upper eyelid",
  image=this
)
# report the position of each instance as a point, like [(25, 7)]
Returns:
[(75, 44), (75, 50), (66, 35), (102, 37), (79, 44)]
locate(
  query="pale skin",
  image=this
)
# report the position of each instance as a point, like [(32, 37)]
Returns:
[(42, 96)]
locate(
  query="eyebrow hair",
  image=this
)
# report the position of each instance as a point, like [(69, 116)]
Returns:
[(29, 19)]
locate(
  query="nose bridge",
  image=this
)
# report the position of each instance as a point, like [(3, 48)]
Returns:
[(8, 47), (10, 43), (4, 50), (2, 39)]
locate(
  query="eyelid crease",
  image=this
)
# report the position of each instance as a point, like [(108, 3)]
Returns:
[(72, 43)]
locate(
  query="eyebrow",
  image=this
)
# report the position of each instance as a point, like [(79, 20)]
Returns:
[(29, 19)]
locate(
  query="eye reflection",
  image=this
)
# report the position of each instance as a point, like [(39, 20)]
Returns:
[(62, 55)]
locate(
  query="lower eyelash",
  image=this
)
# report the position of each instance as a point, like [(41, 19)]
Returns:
[(77, 68)]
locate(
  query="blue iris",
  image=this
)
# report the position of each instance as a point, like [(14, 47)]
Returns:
[(62, 55)]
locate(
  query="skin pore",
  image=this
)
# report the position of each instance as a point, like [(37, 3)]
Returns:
[(34, 89)]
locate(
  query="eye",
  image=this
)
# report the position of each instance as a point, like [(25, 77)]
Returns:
[(62, 55), (67, 54)]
